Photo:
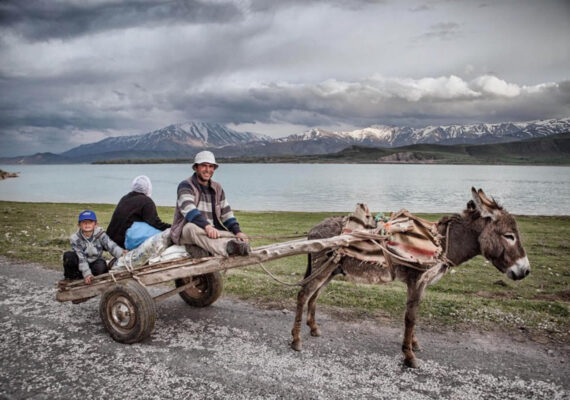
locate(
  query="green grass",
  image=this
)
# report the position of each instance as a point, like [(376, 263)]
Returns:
[(473, 295)]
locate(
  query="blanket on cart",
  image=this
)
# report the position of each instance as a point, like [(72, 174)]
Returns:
[(156, 249)]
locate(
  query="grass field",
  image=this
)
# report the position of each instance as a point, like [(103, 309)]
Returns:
[(474, 295)]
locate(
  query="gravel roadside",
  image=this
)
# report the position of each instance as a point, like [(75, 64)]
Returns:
[(234, 350)]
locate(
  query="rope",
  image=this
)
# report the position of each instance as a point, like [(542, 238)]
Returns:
[(136, 278), (129, 262), (334, 257), (129, 267), (300, 235), (388, 256)]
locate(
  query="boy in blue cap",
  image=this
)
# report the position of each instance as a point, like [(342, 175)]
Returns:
[(88, 244)]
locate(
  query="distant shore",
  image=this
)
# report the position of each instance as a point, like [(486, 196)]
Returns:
[(6, 174), (316, 160), (552, 150)]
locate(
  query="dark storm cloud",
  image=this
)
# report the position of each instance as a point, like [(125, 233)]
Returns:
[(43, 20), (265, 5), (29, 109)]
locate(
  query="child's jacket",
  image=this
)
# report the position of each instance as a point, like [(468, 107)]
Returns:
[(90, 250)]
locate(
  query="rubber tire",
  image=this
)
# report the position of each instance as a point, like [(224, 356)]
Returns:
[(211, 287), (130, 296)]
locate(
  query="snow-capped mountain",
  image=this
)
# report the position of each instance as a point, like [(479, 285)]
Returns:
[(184, 140), (391, 136), (174, 139)]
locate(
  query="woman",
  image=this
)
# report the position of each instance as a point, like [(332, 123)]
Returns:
[(135, 218)]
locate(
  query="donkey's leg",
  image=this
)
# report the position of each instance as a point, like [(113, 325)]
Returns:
[(312, 307), (414, 296), (415, 343), (296, 331), (304, 294), (307, 292)]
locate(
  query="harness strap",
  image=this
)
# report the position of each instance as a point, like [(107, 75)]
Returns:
[(444, 255)]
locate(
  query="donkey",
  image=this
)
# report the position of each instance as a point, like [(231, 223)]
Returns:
[(483, 228)]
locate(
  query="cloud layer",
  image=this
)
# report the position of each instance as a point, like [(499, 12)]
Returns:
[(73, 72)]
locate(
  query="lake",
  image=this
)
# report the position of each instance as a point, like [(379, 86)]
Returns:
[(533, 190)]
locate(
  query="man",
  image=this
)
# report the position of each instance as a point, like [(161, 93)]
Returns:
[(203, 216)]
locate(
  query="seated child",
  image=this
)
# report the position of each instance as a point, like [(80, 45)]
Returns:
[(88, 244)]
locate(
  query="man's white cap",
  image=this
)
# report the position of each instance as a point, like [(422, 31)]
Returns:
[(205, 157)]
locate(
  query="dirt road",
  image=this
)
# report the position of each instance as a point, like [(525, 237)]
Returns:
[(233, 350)]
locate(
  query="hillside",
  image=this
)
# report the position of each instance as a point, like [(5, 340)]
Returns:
[(172, 141), (550, 150), (38, 158)]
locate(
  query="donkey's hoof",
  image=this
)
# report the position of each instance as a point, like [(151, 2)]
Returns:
[(315, 332), (411, 362), (296, 345)]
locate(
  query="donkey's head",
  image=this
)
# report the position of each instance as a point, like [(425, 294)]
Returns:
[(500, 240)]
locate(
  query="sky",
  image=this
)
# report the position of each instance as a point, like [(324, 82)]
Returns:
[(78, 71)]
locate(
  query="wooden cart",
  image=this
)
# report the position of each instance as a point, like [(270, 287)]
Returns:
[(128, 310)]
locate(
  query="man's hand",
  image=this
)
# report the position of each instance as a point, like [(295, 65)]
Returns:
[(212, 232), (242, 236), (88, 279)]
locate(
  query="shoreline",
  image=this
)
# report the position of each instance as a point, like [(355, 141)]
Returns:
[(369, 162), (334, 212)]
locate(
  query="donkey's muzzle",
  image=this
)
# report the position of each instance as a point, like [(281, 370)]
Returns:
[(519, 270)]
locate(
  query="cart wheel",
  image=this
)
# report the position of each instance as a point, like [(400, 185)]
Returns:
[(207, 290), (128, 312)]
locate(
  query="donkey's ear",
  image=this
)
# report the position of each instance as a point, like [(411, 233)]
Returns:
[(487, 201), (487, 208)]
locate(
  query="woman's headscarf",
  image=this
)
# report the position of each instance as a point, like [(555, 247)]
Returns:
[(141, 184)]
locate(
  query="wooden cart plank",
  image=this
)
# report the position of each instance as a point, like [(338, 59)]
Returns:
[(183, 268)]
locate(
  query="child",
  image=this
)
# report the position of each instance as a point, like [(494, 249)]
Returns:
[(88, 244)]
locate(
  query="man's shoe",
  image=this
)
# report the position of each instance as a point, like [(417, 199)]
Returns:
[(196, 251), (238, 248)]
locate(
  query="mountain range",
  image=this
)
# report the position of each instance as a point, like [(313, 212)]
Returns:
[(547, 150), (184, 140), (174, 139)]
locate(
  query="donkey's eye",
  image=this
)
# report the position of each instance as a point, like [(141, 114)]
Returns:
[(510, 237)]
